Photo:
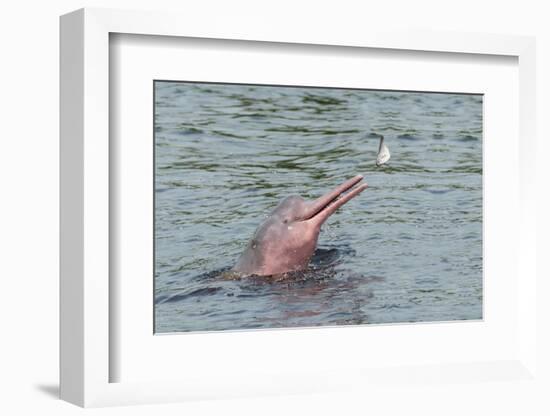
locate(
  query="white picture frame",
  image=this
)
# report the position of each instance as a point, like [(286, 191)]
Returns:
[(85, 211)]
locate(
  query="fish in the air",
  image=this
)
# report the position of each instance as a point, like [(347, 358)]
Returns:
[(383, 153)]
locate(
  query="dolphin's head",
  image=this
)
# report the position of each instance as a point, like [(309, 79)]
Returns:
[(287, 239)]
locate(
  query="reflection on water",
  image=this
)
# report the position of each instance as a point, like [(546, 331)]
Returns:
[(408, 249)]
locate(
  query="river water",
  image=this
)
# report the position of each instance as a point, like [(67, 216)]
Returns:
[(408, 249)]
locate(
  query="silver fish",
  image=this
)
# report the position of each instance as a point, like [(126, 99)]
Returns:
[(383, 153)]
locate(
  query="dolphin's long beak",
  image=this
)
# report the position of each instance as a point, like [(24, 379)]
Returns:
[(324, 207)]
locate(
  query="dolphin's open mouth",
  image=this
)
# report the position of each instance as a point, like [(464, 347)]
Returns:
[(324, 207)]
